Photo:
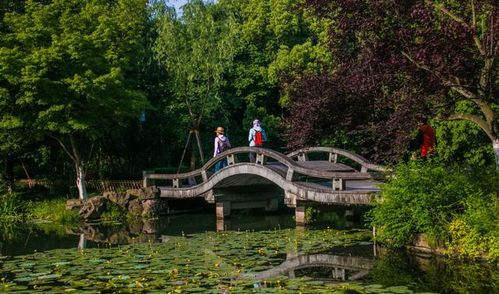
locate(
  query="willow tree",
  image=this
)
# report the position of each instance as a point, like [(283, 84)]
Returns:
[(69, 60), (404, 59), (196, 49)]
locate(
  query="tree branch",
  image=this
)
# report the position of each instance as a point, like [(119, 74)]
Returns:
[(474, 119), (76, 154), (448, 13), (417, 64), (63, 147), (458, 19), (485, 74), (486, 109), (473, 23)]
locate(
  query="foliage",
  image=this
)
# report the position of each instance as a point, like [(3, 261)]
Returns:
[(475, 233), (462, 141), (424, 197), (433, 274), (113, 214), (398, 61), (311, 214), (54, 211), (68, 64), (12, 208), (202, 262), (196, 49), (89, 71)]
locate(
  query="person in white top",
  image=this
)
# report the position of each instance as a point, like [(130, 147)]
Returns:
[(222, 143), (256, 137)]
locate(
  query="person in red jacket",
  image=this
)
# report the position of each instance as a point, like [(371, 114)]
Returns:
[(426, 138)]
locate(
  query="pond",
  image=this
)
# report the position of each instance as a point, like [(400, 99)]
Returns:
[(254, 254)]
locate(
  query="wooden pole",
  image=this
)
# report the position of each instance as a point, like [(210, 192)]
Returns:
[(185, 149), (198, 139)]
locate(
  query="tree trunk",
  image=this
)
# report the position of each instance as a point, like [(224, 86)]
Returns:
[(495, 144), (80, 182), (80, 171)]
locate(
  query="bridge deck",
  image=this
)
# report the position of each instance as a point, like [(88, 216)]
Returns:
[(324, 181), (350, 187), (318, 165)]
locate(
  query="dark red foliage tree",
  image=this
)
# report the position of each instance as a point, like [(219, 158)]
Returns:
[(403, 60)]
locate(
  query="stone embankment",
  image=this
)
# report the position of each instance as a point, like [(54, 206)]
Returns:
[(143, 202)]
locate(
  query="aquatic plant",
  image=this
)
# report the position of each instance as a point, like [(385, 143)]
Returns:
[(204, 263)]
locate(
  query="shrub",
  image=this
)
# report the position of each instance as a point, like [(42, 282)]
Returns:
[(475, 233), (53, 210), (423, 197)]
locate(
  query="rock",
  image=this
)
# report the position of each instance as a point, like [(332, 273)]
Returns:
[(74, 204), (144, 193), (93, 207), (135, 227), (149, 227), (119, 199), (154, 207), (135, 207), (119, 238)]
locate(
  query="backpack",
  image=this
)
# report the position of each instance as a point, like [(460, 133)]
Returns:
[(223, 145), (258, 138)]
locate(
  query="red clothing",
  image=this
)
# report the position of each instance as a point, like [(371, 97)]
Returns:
[(428, 139)]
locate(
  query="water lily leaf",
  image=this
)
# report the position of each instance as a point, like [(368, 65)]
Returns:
[(24, 279), (399, 289), (194, 290), (51, 276)]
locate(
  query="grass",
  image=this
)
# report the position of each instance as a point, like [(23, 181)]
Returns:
[(53, 210), (12, 208)]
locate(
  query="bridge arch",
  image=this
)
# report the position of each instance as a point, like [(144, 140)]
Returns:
[(236, 170), (332, 182)]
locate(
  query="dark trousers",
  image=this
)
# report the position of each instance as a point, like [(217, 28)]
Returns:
[(221, 164)]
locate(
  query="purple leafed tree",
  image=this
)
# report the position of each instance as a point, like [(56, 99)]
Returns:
[(397, 61)]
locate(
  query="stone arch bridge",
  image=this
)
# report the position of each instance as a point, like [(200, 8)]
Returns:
[(318, 175)]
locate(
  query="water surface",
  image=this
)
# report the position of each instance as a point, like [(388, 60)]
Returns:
[(254, 253)]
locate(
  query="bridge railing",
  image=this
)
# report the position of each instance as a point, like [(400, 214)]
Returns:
[(366, 165), (261, 156)]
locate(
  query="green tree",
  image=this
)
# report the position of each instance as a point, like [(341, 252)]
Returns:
[(69, 60), (196, 49), (12, 133), (278, 41)]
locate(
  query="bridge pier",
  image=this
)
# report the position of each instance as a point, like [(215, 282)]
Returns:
[(227, 200), (220, 225), (222, 209), (339, 274), (300, 215)]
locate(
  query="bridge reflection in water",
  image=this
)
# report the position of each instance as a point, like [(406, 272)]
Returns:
[(340, 264), (341, 267), (343, 178)]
